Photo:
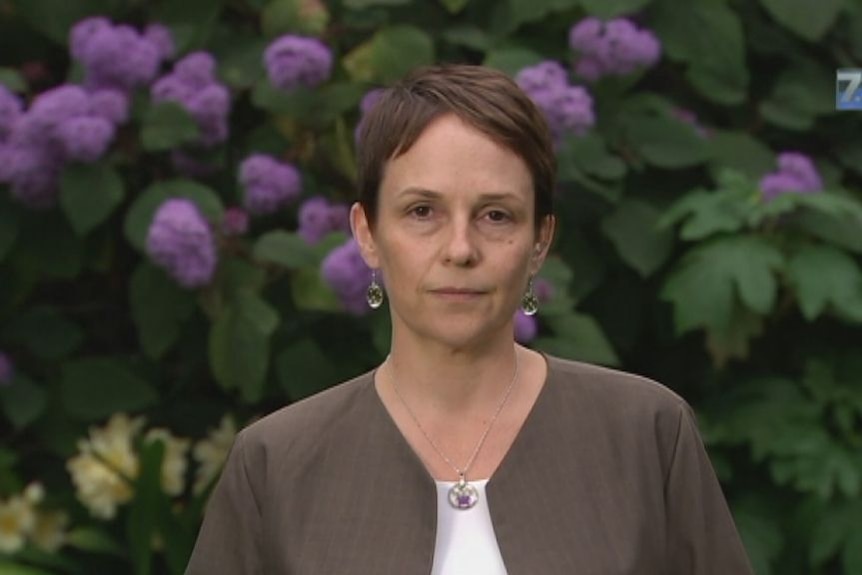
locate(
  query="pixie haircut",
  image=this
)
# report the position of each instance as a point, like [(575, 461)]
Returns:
[(484, 98)]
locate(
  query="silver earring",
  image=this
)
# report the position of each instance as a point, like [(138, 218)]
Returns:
[(374, 294), (530, 303)]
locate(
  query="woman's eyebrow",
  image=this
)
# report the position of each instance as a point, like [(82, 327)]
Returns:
[(484, 197)]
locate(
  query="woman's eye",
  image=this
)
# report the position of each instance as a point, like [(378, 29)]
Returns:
[(497, 216), (421, 211)]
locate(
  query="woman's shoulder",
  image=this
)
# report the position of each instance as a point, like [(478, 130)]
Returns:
[(615, 395), (311, 419)]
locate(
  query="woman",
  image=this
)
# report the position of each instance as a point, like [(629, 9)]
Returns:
[(463, 452)]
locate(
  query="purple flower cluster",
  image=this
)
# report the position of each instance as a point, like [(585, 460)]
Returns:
[(119, 57), (7, 369), (318, 217), (297, 62), (567, 108), (616, 47), (347, 274), (64, 124), (180, 241), (193, 85), (796, 174), (268, 184)]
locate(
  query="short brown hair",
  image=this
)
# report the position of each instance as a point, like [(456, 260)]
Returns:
[(484, 98)]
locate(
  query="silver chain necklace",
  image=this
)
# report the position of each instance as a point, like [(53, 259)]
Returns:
[(462, 495)]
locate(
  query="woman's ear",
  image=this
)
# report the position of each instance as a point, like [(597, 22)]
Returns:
[(362, 232), (543, 243)]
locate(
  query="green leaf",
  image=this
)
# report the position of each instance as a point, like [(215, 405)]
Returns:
[(89, 194), (48, 246), (303, 369), (141, 523), (509, 15), (390, 54), (12, 79), (588, 154), (511, 60), (801, 92), (13, 568), (454, 6), (95, 388), (22, 401), (310, 292), (762, 537), (692, 32), (45, 332), (159, 307), (241, 66), (239, 275), (239, 345), (633, 229), (797, 16), (167, 125), (607, 9), (140, 214), (578, 337), (667, 142), (707, 213), (842, 232), (704, 286), (284, 248), (94, 540), (822, 275), (362, 4), (319, 107), (851, 557), (191, 21), (739, 151), (294, 16)]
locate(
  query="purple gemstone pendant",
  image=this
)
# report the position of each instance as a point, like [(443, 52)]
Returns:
[(462, 495)]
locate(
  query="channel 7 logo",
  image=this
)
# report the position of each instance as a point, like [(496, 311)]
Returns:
[(848, 95)]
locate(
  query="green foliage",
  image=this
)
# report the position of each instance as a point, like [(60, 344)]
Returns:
[(669, 259)]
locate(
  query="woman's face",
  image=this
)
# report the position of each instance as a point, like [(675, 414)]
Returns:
[(454, 239)]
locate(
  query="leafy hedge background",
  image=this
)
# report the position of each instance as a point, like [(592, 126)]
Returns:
[(670, 261)]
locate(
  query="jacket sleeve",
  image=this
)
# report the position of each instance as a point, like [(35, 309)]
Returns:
[(701, 536), (229, 541)]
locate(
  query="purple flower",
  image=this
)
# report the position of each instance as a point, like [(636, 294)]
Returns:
[(209, 107), (796, 174), (180, 241), (114, 56), (297, 61), (111, 105), (53, 106), (526, 327), (234, 222), (196, 69), (318, 217), (370, 99), (33, 173), (160, 36), (10, 110), (568, 109), (268, 184), (85, 139), (615, 47), (347, 274), (546, 75), (7, 369)]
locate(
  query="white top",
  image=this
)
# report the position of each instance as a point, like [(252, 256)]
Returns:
[(465, 537)]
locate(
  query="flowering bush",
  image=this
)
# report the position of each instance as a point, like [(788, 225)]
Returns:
[(176, 258)]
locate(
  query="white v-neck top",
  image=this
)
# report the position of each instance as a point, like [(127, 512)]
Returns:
[(465, 537)]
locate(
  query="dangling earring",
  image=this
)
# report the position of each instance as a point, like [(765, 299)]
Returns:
[(530, 303), (374, 294)]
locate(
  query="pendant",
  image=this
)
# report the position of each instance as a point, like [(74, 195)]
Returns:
[(462, 495)]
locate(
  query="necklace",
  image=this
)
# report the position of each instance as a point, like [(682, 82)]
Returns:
[(462, 495)]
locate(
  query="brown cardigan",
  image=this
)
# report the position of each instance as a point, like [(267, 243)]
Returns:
[(608, 476)]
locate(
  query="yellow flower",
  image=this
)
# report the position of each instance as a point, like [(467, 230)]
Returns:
[(175, 461), (107, 463), (17, 519), (49, 533), (210, 453)]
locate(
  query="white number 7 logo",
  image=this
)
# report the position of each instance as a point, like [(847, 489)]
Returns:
[(854, 77)]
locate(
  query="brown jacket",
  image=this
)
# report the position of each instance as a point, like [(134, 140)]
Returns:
[(608, 476)]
